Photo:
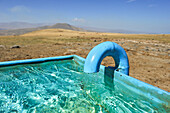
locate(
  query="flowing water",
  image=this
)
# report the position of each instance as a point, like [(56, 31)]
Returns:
[(62, 87)]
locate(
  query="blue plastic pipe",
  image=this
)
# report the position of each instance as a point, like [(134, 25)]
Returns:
[(99, 52)]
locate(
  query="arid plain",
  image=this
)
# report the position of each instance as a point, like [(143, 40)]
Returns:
[(149, 54)]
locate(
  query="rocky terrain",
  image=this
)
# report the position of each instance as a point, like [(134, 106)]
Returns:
[(149, 55)]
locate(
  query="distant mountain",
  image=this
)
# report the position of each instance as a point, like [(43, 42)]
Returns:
[(94, 29), (2, 29), (26, 30), (62, 26), (20, 25), (16, 31)]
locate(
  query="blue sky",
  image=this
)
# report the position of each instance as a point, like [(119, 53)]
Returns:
[(134, 15)]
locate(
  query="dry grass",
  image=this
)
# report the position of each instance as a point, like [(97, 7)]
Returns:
[(61, 35)]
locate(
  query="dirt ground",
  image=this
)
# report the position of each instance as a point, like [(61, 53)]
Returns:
[(149, 58)]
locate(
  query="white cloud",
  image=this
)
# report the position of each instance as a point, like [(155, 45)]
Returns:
[(131, 1), (81, 20), (17, 9)]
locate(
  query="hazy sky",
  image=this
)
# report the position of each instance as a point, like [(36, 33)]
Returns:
[(135, 15)]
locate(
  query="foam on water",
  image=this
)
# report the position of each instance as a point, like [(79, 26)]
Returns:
[(61, 86)]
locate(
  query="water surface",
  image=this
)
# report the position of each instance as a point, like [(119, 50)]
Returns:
[(62, 87)]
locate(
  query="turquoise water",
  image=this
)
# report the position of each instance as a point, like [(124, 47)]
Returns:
[(62, 87)]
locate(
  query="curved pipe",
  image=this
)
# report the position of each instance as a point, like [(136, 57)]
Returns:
[(99, 52)]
